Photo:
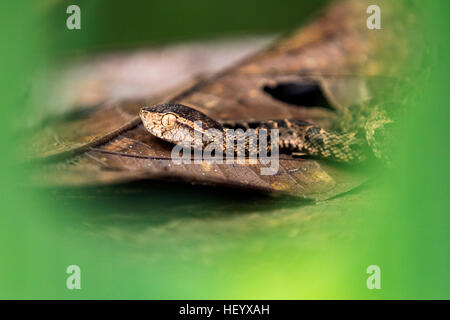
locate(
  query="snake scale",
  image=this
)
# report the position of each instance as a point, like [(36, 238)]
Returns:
[(175, 122)]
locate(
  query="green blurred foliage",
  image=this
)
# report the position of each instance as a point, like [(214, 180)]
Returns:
[(110, 24), (161, 241)]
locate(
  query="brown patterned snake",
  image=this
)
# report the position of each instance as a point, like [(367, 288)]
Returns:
[(175, 122)]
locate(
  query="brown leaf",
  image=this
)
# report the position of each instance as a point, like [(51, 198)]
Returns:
[(113, 147)]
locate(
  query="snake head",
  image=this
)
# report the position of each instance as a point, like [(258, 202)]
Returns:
[(176, 123)]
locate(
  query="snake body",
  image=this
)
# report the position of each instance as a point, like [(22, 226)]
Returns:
[(178, 124)]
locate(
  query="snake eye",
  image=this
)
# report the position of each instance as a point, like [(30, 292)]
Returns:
[(168, 120)]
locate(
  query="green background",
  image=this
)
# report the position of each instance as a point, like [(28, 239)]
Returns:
[(161, 241)]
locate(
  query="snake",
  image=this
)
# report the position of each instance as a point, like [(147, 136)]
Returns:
[(179, 124)]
